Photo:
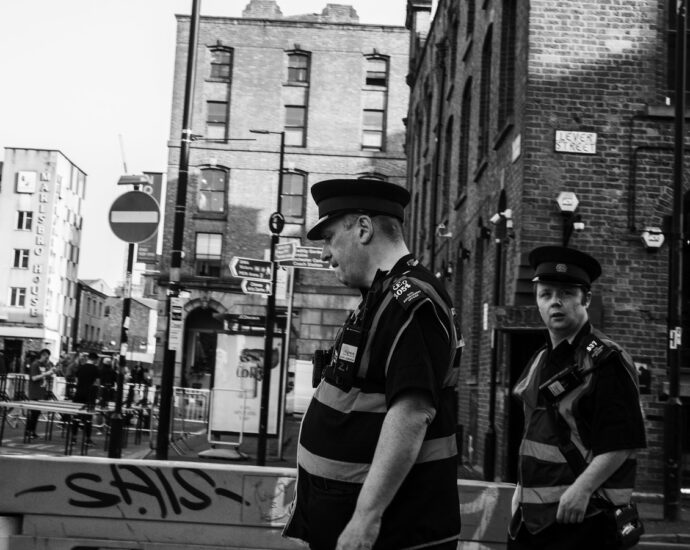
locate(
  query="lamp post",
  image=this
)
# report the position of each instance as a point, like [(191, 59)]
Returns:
[(168, 374), (276, 226)]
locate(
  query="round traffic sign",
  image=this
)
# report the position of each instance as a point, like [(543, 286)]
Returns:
[(276, 223), (134, 217)]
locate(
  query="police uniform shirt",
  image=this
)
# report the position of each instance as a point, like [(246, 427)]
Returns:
[(610, 418), (408, 349)]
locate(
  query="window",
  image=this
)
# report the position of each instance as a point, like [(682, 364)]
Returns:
[(377, 72), (672, 8), (21, 258), (372, 129), (211, 194), (221, 64), (24, 220), (470, 17), (217, 120), (295, 123), (485, 99), (298, 68), (453, 58), (292, 197), (17, 296), (374, 111), (208, 248), (464, 153), (447, 157), (506, 88)]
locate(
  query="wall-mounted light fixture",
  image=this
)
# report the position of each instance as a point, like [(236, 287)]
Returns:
[(443, 232), (652, 238), (567, 204)]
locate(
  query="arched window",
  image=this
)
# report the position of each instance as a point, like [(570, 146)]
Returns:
[(221, 63), (212, 190), (298, 67)]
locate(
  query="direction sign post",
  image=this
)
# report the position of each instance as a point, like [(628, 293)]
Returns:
[(250, 286), (306, 257), (251, 268)]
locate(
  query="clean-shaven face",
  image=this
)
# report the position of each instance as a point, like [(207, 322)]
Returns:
[(342, 248), (562, 307)]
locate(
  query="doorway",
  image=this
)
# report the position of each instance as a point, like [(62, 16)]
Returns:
[(521, 347), (201, 331)]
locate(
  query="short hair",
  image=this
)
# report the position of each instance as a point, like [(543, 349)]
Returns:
[(390, 226), (44, 350)]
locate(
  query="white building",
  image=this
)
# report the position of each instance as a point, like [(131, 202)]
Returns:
[(41, 201)]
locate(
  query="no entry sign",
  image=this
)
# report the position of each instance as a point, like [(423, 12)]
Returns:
[(134, 217)]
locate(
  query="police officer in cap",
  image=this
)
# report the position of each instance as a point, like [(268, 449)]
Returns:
[(377, 457), (583, 421)]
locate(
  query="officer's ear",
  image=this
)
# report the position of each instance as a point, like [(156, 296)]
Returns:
[(365, 229), (586, 297)]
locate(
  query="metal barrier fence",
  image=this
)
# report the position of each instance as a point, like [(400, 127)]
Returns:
[(166, 505)]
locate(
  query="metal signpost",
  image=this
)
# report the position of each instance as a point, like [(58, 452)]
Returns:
[(133, 218)]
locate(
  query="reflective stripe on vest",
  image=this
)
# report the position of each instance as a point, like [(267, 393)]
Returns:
[(541, 511), (356, 472), (353, 400)]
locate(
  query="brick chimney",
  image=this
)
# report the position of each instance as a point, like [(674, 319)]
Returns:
[(262, 9), (339, 13)]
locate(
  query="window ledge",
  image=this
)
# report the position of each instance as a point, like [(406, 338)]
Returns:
[(483, 163), (296, 84), (210, 216), (221, 80), (504, 133), (466, 49), (460, 200)]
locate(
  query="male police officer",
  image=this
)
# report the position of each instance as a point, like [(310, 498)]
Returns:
[(377, 455), (582, 416)]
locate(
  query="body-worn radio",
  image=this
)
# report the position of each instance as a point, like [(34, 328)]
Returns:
[(321, 359), (342, 369), (563, 382)]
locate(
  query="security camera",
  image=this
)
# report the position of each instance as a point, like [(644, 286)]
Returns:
[(652, 238), (495, 218)]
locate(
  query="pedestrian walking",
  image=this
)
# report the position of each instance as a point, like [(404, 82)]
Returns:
[(40, 373), (583, 421), (377, 457), (86, 392)]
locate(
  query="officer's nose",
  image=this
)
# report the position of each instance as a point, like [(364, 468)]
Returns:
[(325, 254)]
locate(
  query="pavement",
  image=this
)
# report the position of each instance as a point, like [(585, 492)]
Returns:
[(659, 533)]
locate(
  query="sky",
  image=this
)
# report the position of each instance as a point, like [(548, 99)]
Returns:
[(93, 79)]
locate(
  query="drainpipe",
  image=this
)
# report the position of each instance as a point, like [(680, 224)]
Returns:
[(441, 49)]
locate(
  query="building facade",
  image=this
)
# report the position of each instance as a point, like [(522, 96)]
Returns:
[(41, 201), (333, 92), (141, 330), (541, 123), (91, 313)]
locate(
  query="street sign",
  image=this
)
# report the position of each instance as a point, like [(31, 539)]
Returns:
[(256, 287), (250, 268), (134, 217), (307, 257), (284, 251), (276, 223), (175, 321)]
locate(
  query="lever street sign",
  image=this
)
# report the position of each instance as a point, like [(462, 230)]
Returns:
[(256, 287), (134, 217), (306, 257), (250, 268)]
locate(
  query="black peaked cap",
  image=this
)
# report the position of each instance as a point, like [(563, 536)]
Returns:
[(340, 196), (562, 264)]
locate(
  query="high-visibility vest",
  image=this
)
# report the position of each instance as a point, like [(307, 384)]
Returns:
[(544, 473)]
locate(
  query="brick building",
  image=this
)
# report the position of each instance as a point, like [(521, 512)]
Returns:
[(336, 90), (141, 333), (91, 310), (41, 200), (512, 104)]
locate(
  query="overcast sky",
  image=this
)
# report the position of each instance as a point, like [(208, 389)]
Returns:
[(77, 74)]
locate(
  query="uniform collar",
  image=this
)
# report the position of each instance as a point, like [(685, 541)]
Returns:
[(405, 262), (586, 329)]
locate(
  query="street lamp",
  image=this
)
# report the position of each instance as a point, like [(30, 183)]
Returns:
[(276, 223)]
